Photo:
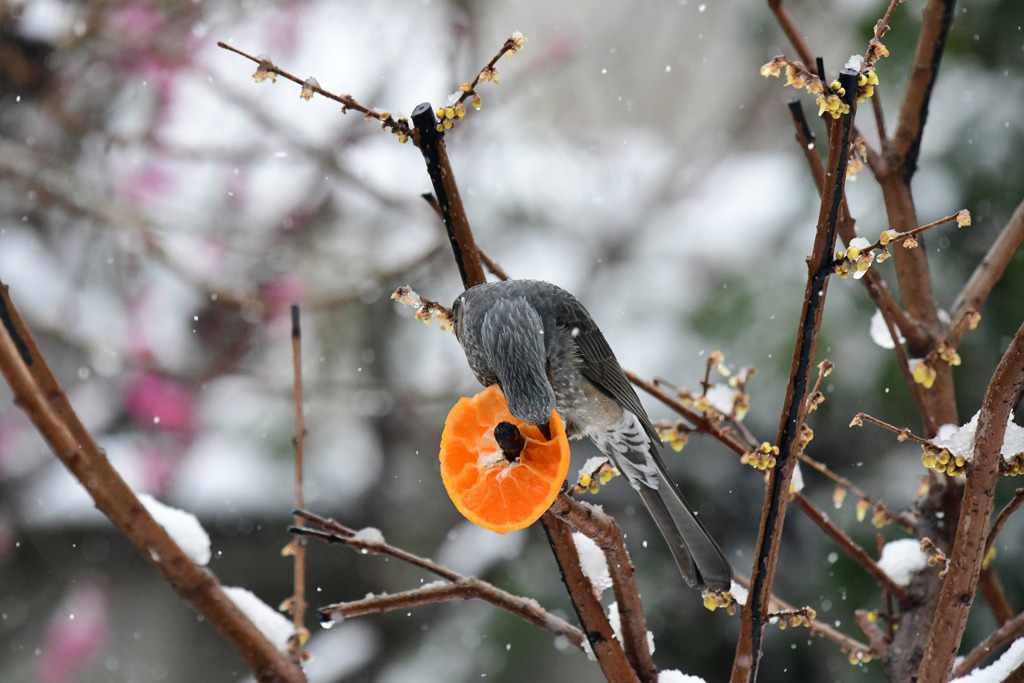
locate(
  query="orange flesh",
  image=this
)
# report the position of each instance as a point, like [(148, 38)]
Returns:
[(488, 489)]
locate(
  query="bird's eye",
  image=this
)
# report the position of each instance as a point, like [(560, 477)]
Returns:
[(457, 317)]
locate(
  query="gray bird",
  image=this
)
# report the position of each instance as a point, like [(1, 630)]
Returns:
[(540, 344)]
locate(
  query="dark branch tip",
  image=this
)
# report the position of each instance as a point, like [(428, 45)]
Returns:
[(510, 440)]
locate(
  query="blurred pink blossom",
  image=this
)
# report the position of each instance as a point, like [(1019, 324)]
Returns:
[(138, 22), (76, 633), (161, 403), (145, 185), (282, 292)]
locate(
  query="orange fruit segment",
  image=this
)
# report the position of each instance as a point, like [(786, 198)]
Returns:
[(488, 488)]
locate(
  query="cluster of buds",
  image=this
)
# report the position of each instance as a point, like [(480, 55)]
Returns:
[(935, 555), (855, 159), (1014, 465), (876, 50), (866, 84), (948, 353), (856, 259), (477, 100), (714, 600), (426, 310), (839, 495), (515, 43), (863, 505), (266, 70), (859, 657), (309, 88), (763, 458), (942, 461), (829, 98), (881, 517), (830, 101), (674, 436), (448, 116), (717, 361), (797, 74), (806, 436), (924, 374), (400, 127), (592, 481), (796, 617)]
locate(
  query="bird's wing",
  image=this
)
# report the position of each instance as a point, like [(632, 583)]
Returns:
[(600, 365)]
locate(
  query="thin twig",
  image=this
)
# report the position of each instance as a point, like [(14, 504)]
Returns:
[(792, 31), (905, 520), (298, 602), (854, 551), (400, 127), (524, 608), (991, 268), (872, 53), (903, 434), (1006, 633), (1002, 518), (701, 422)]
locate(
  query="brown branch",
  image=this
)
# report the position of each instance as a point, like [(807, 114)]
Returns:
[(468, 588), (876, 636), (298, 601), (991, 268), (511, 46), (792, 31), (931, 42), (968, 551), (748, 650), (489, 263), (603, 530), (702, 423), (1002, 518), (903, 434), (398, 127), (1006, 633), (854, 551), (881, 27), (992, 588), (435, 154), (524, 608), (610, 654), (43, 400)]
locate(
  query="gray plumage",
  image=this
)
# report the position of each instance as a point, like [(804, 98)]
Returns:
[(540, 344)]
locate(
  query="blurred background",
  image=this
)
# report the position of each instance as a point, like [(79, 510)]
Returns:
[(160, 211)]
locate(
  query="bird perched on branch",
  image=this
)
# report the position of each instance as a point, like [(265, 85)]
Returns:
[(541, 346)]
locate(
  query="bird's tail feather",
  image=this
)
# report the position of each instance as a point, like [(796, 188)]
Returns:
[(700, 560)]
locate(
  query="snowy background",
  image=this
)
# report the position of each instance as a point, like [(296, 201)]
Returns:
[(159, 212)]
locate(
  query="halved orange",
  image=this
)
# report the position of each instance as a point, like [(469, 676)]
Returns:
[(488, 488)]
